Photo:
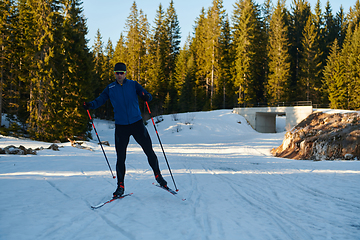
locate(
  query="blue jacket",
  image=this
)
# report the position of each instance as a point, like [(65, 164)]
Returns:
[(124, 99)]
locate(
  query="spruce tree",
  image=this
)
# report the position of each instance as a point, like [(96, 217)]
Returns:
[(340, 26), (225, 97), (248, 69), (77, 67), (353, 17), (300, 14), (279, 57), (108, 65), (266, 12), (350, 55), (46, 29), (310, 65), (184, 79), (136, 30), (108, 69), (120, 52), (198, 48), (13, 98), (354, 62), (207, 52), (335, 78), (100, 76), (5, 15), (329, 32), (157, 82), (173, 36), (144, 40)]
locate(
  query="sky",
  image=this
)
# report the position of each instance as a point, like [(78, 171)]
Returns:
[(109, 16)]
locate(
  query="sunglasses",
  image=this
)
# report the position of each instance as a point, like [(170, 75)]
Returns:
[(120, 72)]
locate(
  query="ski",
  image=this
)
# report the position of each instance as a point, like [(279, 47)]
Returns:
[(111, 200), (168, 190)]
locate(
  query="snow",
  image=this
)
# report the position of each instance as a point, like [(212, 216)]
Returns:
[(234, 188)]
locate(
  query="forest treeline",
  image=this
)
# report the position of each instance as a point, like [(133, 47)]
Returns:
[(259, 53)]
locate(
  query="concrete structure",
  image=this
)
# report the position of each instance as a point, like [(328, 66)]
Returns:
[(263, 119)]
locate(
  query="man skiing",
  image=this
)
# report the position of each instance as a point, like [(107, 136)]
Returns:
[(123, 94)]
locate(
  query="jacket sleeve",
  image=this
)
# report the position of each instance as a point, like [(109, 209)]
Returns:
[(101, 99), (140, 91)]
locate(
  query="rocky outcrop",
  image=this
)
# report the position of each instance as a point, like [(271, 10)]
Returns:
[(323, 136)]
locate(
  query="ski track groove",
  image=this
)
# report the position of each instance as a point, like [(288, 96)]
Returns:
[(116, 227), (263, 206), (57, 189), (318, 193), (49, 232), (267, 208), (201, 220), (325, 199)]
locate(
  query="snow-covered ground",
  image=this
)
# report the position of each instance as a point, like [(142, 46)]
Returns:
[(234, 188)]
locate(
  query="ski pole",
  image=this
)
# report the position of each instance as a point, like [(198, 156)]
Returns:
[(161, 145), (100, 143)]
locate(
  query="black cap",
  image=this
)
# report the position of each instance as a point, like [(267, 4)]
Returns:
[(120, 67)]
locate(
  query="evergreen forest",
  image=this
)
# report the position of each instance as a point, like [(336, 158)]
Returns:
[(261, 53)]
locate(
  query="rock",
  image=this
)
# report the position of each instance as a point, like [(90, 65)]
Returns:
[(323, 136), (21, 150), (104, 143), (54, 147)]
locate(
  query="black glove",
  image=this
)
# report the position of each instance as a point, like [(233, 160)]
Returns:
[(145, 97), (87, 105)]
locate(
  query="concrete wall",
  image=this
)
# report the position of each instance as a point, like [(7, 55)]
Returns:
[(263, 119)]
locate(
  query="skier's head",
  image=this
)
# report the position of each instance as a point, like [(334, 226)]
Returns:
[(120, 72), (120, 67)]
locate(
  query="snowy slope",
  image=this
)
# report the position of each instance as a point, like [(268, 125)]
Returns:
[(234, 188)]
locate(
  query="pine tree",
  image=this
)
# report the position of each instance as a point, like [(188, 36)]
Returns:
[(279, 58)]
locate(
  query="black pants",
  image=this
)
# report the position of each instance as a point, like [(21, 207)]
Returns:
[(142, 137)]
